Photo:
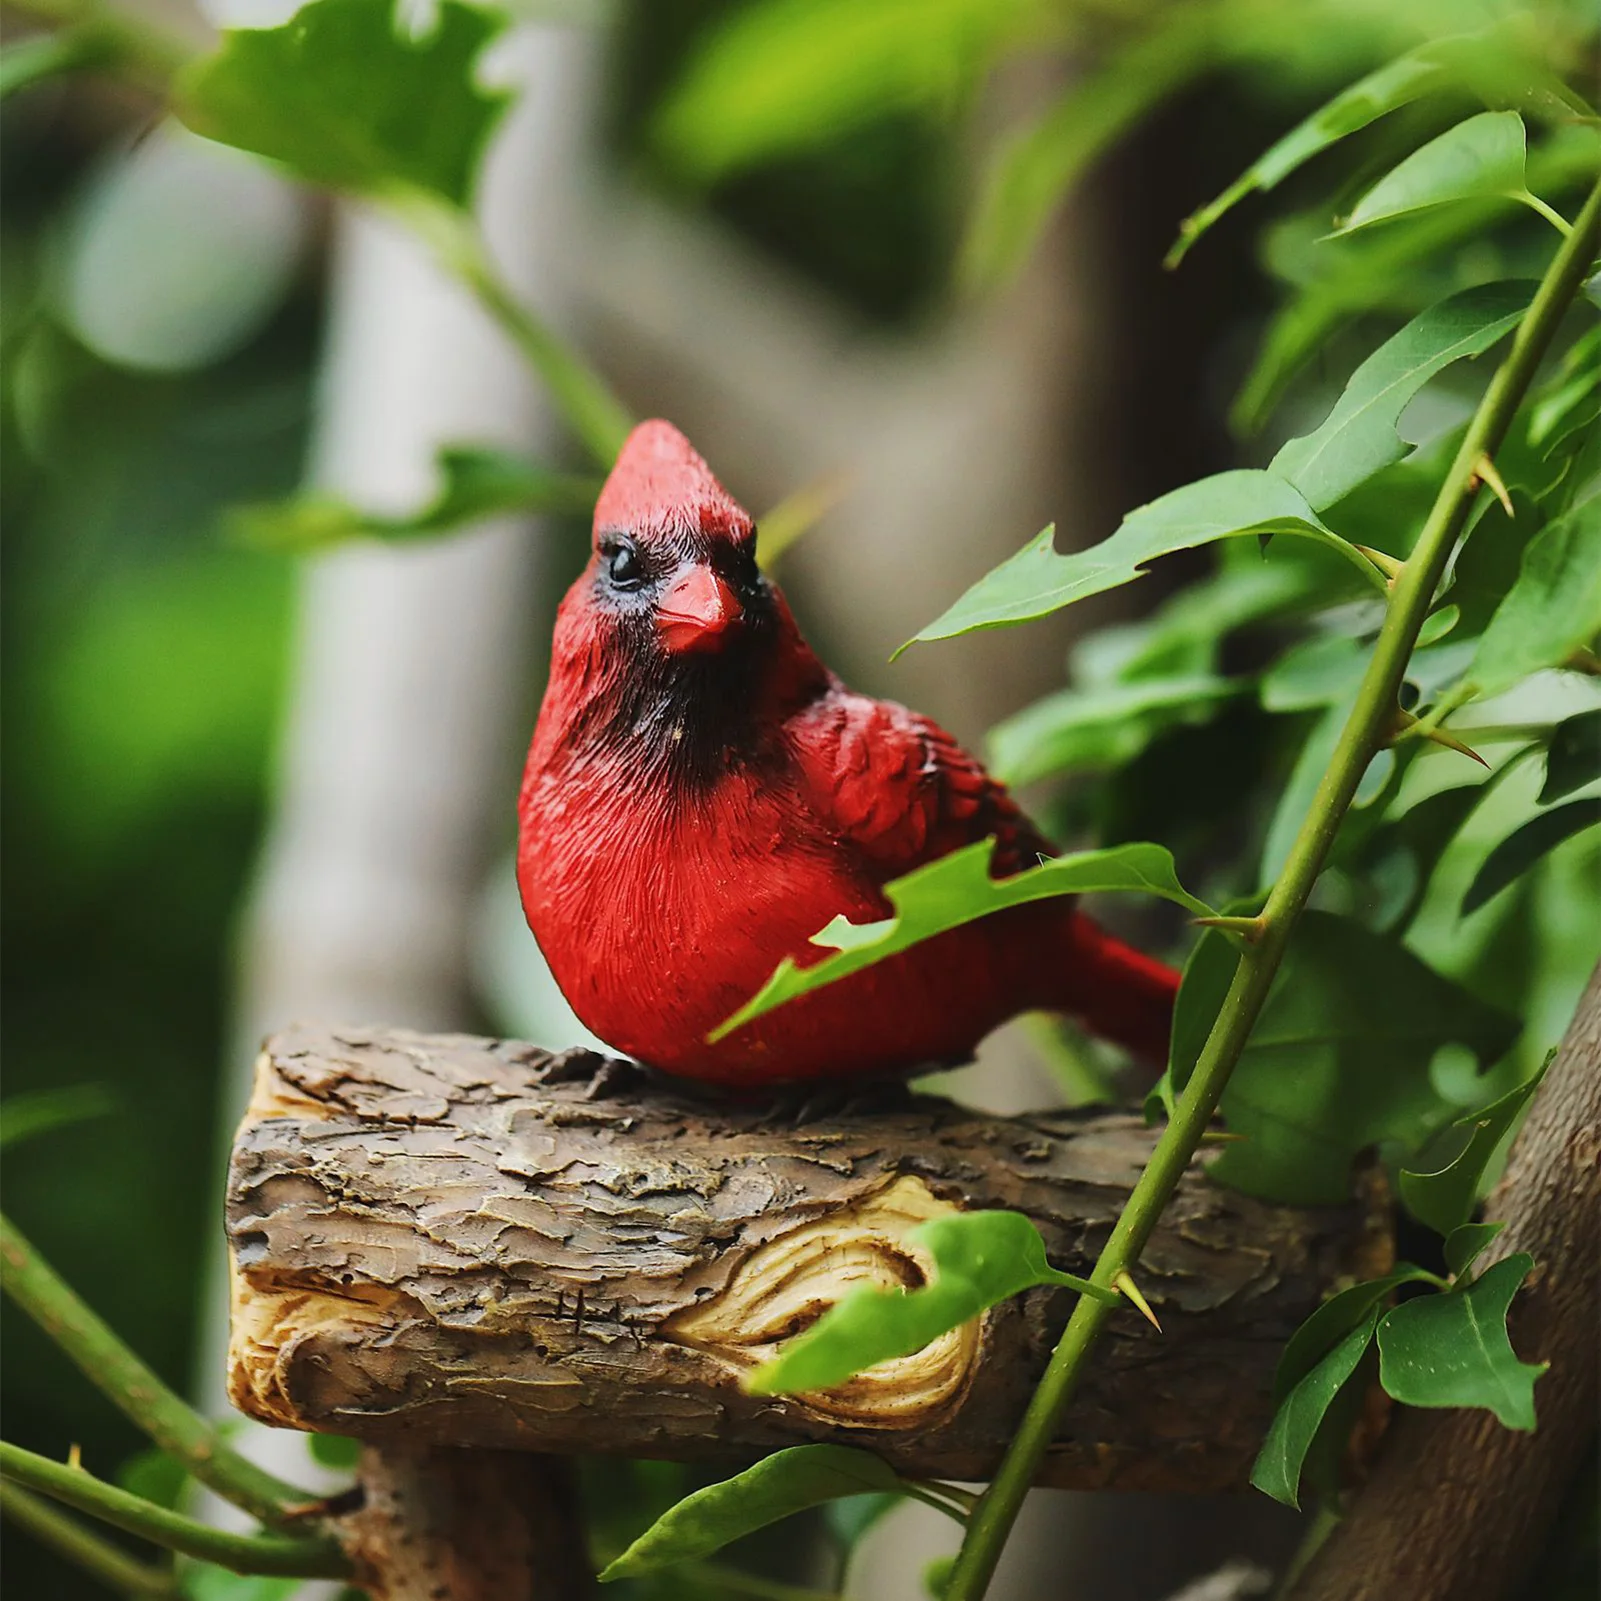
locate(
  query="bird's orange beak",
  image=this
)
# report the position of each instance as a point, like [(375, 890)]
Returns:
[(697, 612)]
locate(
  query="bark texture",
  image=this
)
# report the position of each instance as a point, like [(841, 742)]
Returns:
[(452, 1241), (1459, 1508), (438, 1524)]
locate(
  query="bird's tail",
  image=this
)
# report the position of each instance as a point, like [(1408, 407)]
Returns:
[(1117, 992)]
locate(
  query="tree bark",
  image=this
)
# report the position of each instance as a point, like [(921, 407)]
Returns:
[(440, 1523), (1458, 1508), (452, 1241)]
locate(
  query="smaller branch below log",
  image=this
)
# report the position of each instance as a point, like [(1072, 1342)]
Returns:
[(470, 1525)]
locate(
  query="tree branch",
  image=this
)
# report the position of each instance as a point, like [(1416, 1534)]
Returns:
[(1371, 717), (311, 1557), (1458, 1507)]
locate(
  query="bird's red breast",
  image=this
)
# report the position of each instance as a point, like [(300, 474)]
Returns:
[(702, 795)]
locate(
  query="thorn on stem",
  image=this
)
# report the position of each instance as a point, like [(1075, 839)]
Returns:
[(1123, 1281), (1485, 472), (1391, 566), (1405, 726), (1250, 929)]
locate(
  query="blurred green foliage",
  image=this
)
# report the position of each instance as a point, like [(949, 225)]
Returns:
[(142, 665)]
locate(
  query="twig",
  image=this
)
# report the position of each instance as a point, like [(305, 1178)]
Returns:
[(310, 1557), (1364, 732), (595, 415), (108, 1363), (82, 1547)]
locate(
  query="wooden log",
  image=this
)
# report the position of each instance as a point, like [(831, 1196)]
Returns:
[(455, 1241)]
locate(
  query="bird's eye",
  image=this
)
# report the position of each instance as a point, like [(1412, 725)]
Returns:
[(624, 567)]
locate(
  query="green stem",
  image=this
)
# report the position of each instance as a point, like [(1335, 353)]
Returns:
[(1550, 213), (82, 1547), (312, 1557), (176, 1427), (593, 412), (1363, 734)]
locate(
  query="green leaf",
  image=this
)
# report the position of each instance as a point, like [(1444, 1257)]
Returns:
[(474, 483), (1338, 1061), (785, 76), (1498, 73), (346, 97), (204, 1582), (1572, 756), (1415, 841), (1320, 671), (336, 1451), (1389, 269), (1289, 1437), (1358, 437), (1525, 846), (1332, 1321), (957, 889), (1554, 608), (1390, 87), (1445, 1199), (1475, 160), (980, 1259), (778, 1486), (1037, 581), (1465, 1243), (1295, 799), (1453, 1350), (1101, 727), (35, 1112), (1036, 167), (155, 1475)]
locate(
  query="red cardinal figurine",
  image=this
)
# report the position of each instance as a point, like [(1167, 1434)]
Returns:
[(702, 795)]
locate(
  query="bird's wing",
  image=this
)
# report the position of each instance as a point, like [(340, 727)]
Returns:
[(901, 790)]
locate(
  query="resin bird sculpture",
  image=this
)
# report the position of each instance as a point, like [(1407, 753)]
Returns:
[(703, 794)]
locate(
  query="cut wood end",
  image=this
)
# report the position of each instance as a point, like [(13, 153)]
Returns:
[(265, 1325), (784, 1285)]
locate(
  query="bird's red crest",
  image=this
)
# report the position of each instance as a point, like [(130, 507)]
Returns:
[(661, 483)]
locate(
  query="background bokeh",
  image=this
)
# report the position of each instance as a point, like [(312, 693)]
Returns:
[(165, 331)]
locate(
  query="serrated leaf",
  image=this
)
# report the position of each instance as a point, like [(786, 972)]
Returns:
[(1525, 846), (784, 76), (1295, 1424), (777, 1487), (980, 1259), (345, 97), (957, 889), (1037, 581), (474, 483), (1358, 438), (1445, 1199), (1390, 267), (1453, 1350), (1553, 609), (1332, 1321), (1338, 1061), (1477, 159), (1487, 64), (35, 1112), (1101, 727), (1396, 84), (1572, 756), (1037, 166)]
